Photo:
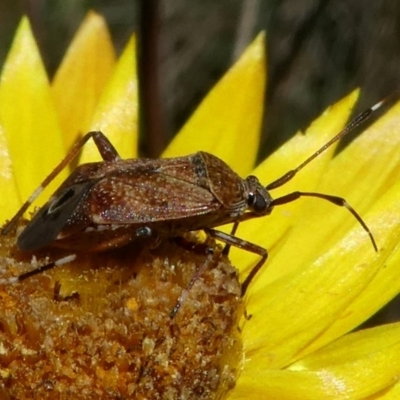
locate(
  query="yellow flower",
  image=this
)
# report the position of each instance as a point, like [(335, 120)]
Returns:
[(322, 278)]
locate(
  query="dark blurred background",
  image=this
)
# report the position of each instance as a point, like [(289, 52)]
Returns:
[(318, 51)]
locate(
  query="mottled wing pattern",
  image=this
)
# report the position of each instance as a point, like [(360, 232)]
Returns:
[(151, 195)]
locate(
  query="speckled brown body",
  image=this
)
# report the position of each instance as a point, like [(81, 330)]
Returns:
[(111, 203), (106, 205)]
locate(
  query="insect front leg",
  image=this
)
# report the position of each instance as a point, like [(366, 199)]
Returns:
[(231, 240), (227, 247), (106, 150)]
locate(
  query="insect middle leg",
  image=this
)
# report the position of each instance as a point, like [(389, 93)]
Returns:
[(231, 240), (227, 247)]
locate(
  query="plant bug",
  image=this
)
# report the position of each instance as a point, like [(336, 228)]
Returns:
[(108, 204)]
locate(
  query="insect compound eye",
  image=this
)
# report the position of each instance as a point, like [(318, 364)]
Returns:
[(258, 198), (257, 203)]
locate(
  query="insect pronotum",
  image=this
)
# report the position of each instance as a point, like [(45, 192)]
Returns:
[(108, 204)]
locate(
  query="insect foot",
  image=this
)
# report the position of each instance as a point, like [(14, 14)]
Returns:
[(105, 318)]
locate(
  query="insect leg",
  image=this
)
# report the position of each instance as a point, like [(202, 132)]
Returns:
[(106, 150), (231, 240), (339, 201), (198, 248), (195, 277), (42, 268), (227, 247)]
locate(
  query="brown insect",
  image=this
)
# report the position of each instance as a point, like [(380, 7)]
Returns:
[(108, 204)]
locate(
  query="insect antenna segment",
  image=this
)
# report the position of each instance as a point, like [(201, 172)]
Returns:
[(353, 124)]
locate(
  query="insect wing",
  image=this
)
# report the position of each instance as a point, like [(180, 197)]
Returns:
[(52, 217), (150, 196)]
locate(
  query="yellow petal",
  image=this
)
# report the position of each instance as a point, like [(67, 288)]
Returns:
[(82, 75), (27, 114), (271, 232), (117, 112), (326, 296), (289, 313), (302, 311), (227, 123), (356, 345), (366, 360), (390, 393), (355, 366), (384, 219), (9, 198), (379, 161), (358, 174)]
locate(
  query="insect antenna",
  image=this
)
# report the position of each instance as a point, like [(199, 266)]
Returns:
[(354, 123), (339, 201)]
